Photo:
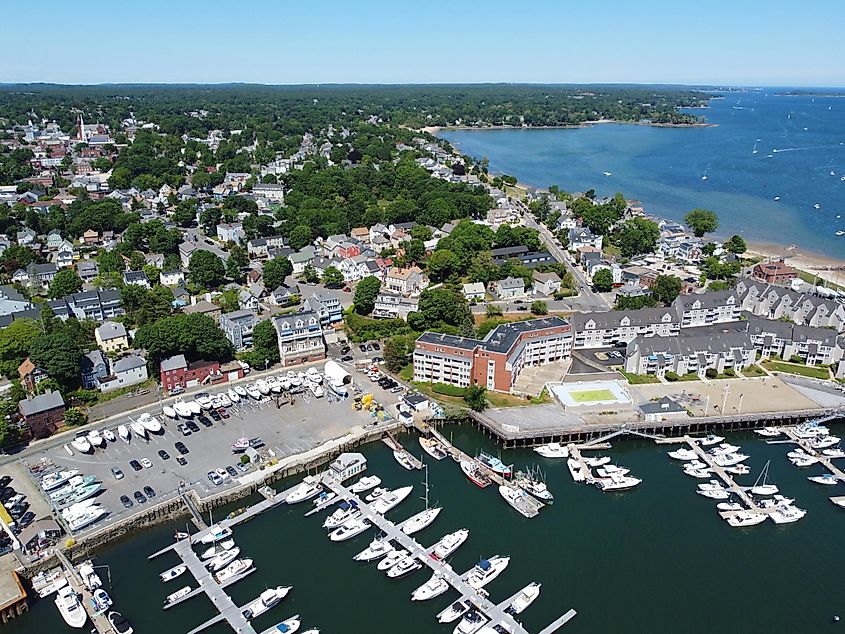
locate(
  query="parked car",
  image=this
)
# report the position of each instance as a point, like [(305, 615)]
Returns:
[(181, 448), (215, 415), (149, 491), (145, 462), (347, 358), (192, 426), (216, 480), (181, 460), (376, 346), (163, 454), (231, 471), (4, 481), (223, 412), (136, 466), (127, 503), (117, 473), (362, 347), (183, 429), (26, 519), (224, 475), (139, 497), (204, 421)]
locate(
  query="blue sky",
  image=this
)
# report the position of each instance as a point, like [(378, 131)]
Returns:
[(746, 42)]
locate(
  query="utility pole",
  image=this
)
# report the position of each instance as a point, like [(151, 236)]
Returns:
[(739, 409)]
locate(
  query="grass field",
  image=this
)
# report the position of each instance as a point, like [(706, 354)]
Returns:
[(590, 396), (794, 368)]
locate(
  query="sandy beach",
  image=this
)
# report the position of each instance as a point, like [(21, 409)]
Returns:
[(826, 267)]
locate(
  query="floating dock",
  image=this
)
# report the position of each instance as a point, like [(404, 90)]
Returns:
[(101, 624)]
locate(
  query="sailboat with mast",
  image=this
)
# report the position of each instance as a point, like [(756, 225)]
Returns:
[(416, 523), (761, 485)]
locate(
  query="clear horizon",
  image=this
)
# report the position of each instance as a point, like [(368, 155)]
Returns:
[(751, 44)]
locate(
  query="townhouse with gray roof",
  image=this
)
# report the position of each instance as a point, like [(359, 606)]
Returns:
[(300, 337), (775, 302), (611, 328), (686, 354), (708, 308), (238, 327)]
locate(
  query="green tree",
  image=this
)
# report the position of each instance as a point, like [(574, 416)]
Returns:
[(396, 353), (265, 344), (309, 275), (442, 264), (365, 295), (66, 282), (444, 310), (666, 289), (15, 341), (111, 261), (539, 307), (332, 278), (702, 221), (59, 357), (196, 336), (300, 237), (74, 417), (603, 280), (237, 260), (736, 245), (275, 271), (637, 236), (494, 310), (414, 250), (205, 269), (476, 397)]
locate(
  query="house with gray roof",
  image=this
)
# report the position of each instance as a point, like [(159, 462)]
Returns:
[(712, 307), (92, 367), (686, 354), (508, 288), (43, 414), (238, 326), (126, 371), (87, 270), (663, 408), (775, 338), (614, 327), (300, 337)]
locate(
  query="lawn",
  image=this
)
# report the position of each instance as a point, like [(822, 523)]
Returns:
[(794, 368), (591, 396), (639, 379)]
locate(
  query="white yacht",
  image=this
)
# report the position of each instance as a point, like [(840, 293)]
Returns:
[(608, 471), (433, 447), (314, 376), (233, 570), (274, 385), (391, 499), (170, 575), (284, 382), (119, 623), (598, 461), (434, 587), (741, 519), (58, 478), (715, 493), (485, 571), (234, 397), (169, 411), (738, 469), (823, 442), (806, 461), (262, 386), (96, 439), (253, 392), (81, 443), (618, 483), (150, 423), (552, 450), (181, 408), (240, 390), (729, 459), (471, 623), (195, 408), (786, 514), (416, 523), (216, 533), (454, 611), (365, 484), (222, 560), (316, 390), (91, 515), (404, 459), (90, 578), (350, 529), (204, 401), (729, 506), (175, 596), (825, 478), (224, 399), (70, 607), (768, 432), (217, 549), (123, 432), (683, 454), (266, 600), (376, 494), (101, 601), (835, 452), (448, 544), (307, 489), (138, 429), (344, 512), (526, 597), (810, 430), (709, 439), (288, 626), (576, 469), (404, 566), (377, 549), (724, 448), (762, 485), (391, 559)]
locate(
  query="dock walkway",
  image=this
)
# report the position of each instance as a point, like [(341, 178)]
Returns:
[(101, 624), (823, 460)]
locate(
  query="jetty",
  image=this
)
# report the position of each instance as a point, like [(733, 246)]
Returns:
[(395, 445), (495, 613), (818, 455)]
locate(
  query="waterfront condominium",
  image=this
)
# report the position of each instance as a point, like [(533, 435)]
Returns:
[(495, 361)]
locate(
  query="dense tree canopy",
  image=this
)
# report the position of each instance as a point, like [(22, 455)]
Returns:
[(196, 336), (702, 221), (365, 295), (66, 282), (275, 271), (206, 270)]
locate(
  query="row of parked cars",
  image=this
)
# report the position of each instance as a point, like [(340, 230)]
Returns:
[(17, 507)]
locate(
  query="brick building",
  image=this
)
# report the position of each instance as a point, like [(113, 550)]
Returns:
[(43, 414), (176, 372)]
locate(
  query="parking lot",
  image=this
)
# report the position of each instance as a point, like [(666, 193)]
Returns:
[(285, 429)]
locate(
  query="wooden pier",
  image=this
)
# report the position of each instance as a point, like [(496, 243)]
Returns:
[(495, 613), (101, 624), (395, 445)]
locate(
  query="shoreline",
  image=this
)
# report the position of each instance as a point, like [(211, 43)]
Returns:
[(435, 129)]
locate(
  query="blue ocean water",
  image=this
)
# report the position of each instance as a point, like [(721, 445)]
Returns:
[(799, 140)]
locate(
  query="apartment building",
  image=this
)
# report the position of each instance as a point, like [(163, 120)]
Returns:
[(687, 354), (300, 338), (611, 328), (238, 327), (708, 308)]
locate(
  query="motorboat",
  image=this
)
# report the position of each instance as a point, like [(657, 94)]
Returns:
[(715, 494), (709, 439), (265, 601), (262, 386), (526, 597), (434, 587), (234, 397), (101, 601), (284, 382), (173, 573), (352, 528), (391, 499), (724, 448), (344, 512), (108, 434), (377, 549), (294, 379), (234, 569), (218, 562), (768, 432), (324, 498), (46, 583), (181, 408), (216, 533), (215, 550), (514, 496), (729, 459), (532, 482), (799, 453), (433, 447), (729, 506), (70, 607), (124, 433), (825, 478), (786, 514), (617, 483), (119, 623), (404, 459), (741, 519), (365, 484), (272, 382), (56, 479), (179, 594), (494, 464), (774, 502), (454, 611), (552, 450), (598, 461), (762, 485), (713, 485), (96, 439), (253, 392), (683, 454), (89, 576), (196, 408), (204, 401), (810, 430), (421, 520), (138, 429), (835, 452), (375, 494), (485, 571), (288, 626), (79, 494), (150, 423), (823, 442), (75, 510), (391, 559), (470, 623), (448, 544), (474, 472), (91, 515), (806, 461), (840, 502), (169, 411), (404, 567), (81, 443), (316, 390), (314, 376), (240, 390), (738, 469), (576, 469), (305, 490), (240, 445), (610, 470)]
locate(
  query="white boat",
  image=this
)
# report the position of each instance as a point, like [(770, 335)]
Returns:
[(618, 483), (305, 490), (195, 408), (434, 587), (108, 434), (124, 433), (70, 607), (714, 494), (46, 583), (768, 432), (526, 597), (170, 575), (82, 444), (391, 499), (234, 397), (454, 611), (253, 392), (448, 544), (150, 423), (313, 375), (274, 385), (216, 533), (181, 408), (683, 454), (810, 430), (405, 566), (218, 562), (365, 484), (416, 523), (576, 469), (96, 439), (89, 577), (762, 486), (729, 506), (262, 386), (375, 494), (344, 512), (215, 550), (324, 498), (288, 626), (709, 439), (240, 390), (724, 448), (87, 518), (58, 478), (101, 601), (485, 571), (433, 448), (119, 623), (404, 459), (181, 592), (738, 469), (836, 452), (534, 483), (377, 549), (730, 459), (392, 558), (169, 411), (786, 514), (798, 453), (75, 510), (316, 390), (741, 519), (825, 478), (713, 485), (233, 570), (552, 450), (203, 400), (598, 461), (265, 601), (610, 470), (350, 529), (138, 429), (806, 461), (514, 496), (823, 442)]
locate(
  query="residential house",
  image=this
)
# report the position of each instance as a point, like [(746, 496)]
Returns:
[(231, 232), (174, 277), (43, 414), (273, 192), (775, 338), (327, 307), (139, 278), (302, 258), (87, 270), (11, 301), (300, 338), (593, 266), (93, 367), (408, 281), (508, 288), (238, 326), (30, 375), (90, 238), (98, 305), (353, 269), (260, 247), (391, 306), (361, 234), (65, 255), (708, 308), (285, 295), (41, 274), (26, 237), (522, 255), (177, 373), (111, 336), (474, 290), (126, 371), (776, 272), (154, 259), (583, 237), (54, 240), (546, 284), (204, 308), (663, 408)]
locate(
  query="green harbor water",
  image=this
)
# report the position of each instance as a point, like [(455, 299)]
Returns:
[(656, 559)]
